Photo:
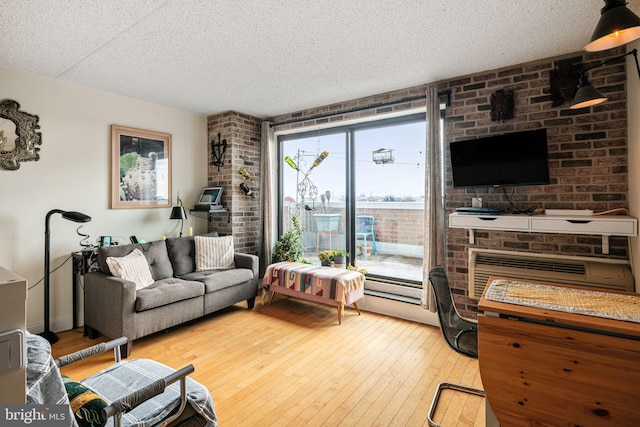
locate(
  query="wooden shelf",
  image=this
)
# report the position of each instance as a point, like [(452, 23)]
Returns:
[(211, 213)]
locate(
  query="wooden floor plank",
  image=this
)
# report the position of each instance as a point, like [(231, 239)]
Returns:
[(291, 364)]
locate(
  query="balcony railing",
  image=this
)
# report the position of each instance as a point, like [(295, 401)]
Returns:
[(398, 230)]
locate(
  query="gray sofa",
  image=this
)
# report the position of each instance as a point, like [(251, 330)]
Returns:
[(113, 307)]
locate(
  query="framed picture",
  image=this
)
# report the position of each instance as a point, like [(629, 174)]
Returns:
[(140, 168)]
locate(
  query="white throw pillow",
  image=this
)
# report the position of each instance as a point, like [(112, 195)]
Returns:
[(133, 267), (213, 253)]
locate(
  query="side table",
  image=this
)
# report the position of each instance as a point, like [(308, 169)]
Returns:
[(82, 264)]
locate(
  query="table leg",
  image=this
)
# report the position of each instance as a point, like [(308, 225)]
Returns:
[(273, 294), (355, 305)]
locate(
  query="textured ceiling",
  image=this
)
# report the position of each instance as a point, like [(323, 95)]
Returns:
[(268, 57)]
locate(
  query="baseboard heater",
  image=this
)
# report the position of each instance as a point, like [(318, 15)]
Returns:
[(407, 292), (598, 273)]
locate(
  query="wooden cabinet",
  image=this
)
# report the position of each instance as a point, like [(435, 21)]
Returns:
[(602, 225), (544, 367)]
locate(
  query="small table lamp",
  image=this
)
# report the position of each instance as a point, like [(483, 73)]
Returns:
[(178, 212)]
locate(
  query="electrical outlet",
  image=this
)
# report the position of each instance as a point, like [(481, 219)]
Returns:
[(476, 202)]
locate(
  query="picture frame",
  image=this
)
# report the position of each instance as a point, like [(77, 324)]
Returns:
[(140, 168)]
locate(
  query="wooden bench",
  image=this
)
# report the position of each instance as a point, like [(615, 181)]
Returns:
[(326, 285)]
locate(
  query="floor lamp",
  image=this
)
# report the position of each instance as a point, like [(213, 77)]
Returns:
[(71, 216)]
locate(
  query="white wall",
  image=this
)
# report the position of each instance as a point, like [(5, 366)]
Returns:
[(633, 113), (73, 174)]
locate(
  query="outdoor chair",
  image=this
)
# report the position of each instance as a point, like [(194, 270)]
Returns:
[(461, 334), (364, 229)]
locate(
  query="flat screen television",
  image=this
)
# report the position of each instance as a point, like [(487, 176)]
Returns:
[(518, 158)]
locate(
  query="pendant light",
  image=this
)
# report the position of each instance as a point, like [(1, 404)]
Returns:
[(617, 26)]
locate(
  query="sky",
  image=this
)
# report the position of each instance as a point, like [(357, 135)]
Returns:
[(402, 178)]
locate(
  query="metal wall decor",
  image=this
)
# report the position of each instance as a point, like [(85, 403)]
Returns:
[(217, 151), (563, 80), (19, 144), (502, 105)]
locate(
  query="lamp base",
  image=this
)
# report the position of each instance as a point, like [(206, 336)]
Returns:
[(50, 336)]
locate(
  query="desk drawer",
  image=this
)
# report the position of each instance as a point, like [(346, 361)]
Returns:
[(488, 222), (589, 225)]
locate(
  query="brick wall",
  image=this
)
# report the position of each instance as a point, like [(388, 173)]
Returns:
[(587, 157), (588, 151), (242, 133), (357, 109)]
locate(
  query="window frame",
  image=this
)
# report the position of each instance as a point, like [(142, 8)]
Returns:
[(349, 131)]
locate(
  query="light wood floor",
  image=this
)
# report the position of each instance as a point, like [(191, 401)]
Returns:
[(290, 363)]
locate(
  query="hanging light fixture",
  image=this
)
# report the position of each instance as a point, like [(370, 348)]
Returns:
[(587, 95), (617, 26)]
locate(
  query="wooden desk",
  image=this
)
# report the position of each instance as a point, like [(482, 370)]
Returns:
[(550, 368)]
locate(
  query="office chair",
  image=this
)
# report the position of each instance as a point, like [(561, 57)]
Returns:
[(460, 334)]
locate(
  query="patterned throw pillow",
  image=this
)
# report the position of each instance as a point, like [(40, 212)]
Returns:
[(85, 404), (133, 267), (213, 253)]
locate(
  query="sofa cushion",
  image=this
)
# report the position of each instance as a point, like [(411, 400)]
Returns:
[(133, 267), (113, 251), (182, 253), (167, 291), (214, 253), (155, 252), (215, 280), (158, 257)]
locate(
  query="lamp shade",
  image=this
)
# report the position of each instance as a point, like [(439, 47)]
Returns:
[(617, 26), (76, 216), (178, 212), (586, 95)]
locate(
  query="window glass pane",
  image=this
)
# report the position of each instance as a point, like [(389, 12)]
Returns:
[(389, 191), (316, 192)]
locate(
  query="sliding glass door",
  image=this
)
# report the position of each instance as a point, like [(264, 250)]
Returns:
[(365, 194), (314, 186), (389, 199)]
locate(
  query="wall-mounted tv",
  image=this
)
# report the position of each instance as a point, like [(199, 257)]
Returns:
[(518, 158)]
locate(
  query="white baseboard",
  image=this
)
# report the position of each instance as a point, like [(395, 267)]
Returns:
[(57, 324), (398, 309)]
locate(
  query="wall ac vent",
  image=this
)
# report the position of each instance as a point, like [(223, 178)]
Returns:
[(599, 273)]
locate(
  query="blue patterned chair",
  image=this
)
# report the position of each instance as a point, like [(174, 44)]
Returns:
[(127, 393)]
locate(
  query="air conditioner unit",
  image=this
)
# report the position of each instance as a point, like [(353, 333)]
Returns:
[(599, 273)]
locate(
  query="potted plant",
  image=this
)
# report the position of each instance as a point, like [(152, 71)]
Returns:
[(326, 258), (360, 270), (340, 257), (289, 247)]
